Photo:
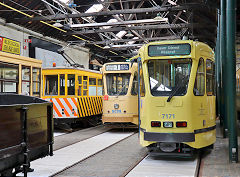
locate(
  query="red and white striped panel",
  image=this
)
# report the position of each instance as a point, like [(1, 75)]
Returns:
[(64, 107)]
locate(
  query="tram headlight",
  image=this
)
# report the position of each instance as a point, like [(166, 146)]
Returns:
[(181, 124), (155, 124), (116, 106)]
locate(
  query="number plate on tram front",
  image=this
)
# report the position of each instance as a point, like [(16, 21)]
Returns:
[(168, 124)]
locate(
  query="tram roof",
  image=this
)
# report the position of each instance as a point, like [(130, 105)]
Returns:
[(204, 47), (71, 68)]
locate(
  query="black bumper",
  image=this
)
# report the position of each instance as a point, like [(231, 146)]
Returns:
[(169, 137)]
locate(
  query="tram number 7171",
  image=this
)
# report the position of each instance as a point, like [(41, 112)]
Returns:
[(167, 116)]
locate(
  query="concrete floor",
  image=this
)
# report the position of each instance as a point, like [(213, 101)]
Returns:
[(111, 162), (216, 162)]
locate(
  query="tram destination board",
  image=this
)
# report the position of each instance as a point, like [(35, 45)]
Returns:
[(169, 49), (117, 67)]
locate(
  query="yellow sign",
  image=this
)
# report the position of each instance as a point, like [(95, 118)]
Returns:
[(10, 46)]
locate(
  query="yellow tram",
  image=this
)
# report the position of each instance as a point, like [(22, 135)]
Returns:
[(177, 96), (120, 102), (238, 93), (76, 94), (20, 75)]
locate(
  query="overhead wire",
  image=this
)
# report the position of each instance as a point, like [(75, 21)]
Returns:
[(31, 16)]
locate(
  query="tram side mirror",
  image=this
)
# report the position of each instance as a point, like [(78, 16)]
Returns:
[(133, 61)]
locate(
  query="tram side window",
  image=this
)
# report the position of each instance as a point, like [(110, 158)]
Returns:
[(92, 86), (210, 78), (51, 85), (26, 73), (214, 81), (100, 87), (134, 90), (199, 86), (36, 81), (79, 85), (85, 85), (71, 84), (100, 82), (142, 84), (8, 78), (62, 84)]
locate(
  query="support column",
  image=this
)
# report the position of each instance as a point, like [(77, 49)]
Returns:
[(231, 80), (218, 73), (223, 66)]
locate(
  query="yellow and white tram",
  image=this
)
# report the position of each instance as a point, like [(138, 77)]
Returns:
[(120, 102), (177, 103), (20, 75), (76, 93)]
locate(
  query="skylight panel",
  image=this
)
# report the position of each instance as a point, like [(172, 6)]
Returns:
[(95, 8)]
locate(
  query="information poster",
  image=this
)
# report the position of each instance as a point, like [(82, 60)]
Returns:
[(1, 42), (9, 46)]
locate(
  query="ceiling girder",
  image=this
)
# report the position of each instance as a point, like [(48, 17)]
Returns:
[(112, 12), (145, 27), (127, 40)]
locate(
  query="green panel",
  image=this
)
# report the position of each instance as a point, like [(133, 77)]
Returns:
[(231, 79), (169, 49)]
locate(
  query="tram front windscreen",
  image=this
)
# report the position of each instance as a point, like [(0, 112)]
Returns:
[(169, 77), (117, 83)]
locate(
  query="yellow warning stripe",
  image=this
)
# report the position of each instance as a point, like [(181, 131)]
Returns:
[(93, 105), (87, 108), (84, 106), (81, 108), (90, 105), (99, 106)]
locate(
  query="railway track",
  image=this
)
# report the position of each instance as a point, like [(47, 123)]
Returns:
[(67, 156), (156, 167), (106, 152), (77, 163)]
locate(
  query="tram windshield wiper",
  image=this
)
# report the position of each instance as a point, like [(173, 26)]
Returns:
[(121, 90), (173, 93)]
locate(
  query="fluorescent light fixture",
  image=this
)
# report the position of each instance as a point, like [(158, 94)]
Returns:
[(57, 24), (171, 2), (106, 47), (121, 34), (64, 1), (113, 20), (132, 42), (129, 34), (95, 8), (158, 17)]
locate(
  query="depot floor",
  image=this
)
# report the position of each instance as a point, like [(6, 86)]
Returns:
[(216, 162)]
